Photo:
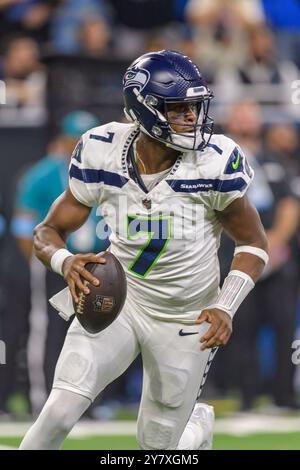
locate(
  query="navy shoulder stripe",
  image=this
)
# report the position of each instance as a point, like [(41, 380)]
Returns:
[(104, 138), (77, 151), (204, 185), (216, 148), (88, 175)]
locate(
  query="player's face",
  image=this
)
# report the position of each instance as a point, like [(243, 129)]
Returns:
[(182, 116)]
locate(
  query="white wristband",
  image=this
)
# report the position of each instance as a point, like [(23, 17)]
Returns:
[(235, 289), (58, 258), (253, 250)]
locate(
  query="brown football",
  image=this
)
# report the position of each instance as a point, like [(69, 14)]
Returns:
[(98, 309)]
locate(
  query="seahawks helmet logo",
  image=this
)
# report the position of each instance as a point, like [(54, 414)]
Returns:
[(136, 78)]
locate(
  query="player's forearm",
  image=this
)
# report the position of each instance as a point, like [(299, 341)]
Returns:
[(246, 268), (65, 216), (46, 242), (243, 225), (250, 263)]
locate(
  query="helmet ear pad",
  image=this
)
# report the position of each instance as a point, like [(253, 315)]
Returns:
[(148, 117)]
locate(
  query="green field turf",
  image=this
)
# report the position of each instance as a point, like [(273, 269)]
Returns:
[(286, 441)]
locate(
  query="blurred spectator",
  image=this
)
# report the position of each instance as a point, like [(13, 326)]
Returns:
[(25, 82), (274, 299), (85, 83), (37, 190), (282, 142), (141, 25), (173, 37), (260, 75), (70, 17), (143, 14), (95, 35), (221, 29), (285, 21), (180, 7), (26, 16)]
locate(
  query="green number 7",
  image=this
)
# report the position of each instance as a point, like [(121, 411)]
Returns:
[(159, 234)]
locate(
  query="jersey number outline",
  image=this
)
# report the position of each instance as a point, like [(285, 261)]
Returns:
[(159, 234), (104, 138)]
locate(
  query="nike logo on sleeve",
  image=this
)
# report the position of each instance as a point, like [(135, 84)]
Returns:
[(236, 163)]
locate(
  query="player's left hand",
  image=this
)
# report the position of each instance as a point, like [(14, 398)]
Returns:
[(219, 332)]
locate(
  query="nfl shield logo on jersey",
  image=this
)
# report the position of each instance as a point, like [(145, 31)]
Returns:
[(147, 203)]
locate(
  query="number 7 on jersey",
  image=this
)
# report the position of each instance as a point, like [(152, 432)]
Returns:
[(159, 234)]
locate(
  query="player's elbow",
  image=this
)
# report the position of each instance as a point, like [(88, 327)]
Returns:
[(43, 236), (260, 240), (37, 245)]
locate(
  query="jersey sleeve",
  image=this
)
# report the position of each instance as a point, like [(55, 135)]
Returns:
[(80, 175), (234, 180)]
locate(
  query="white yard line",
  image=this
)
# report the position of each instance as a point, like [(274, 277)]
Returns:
[(94, 428), (83, 428), (244, 424), (240, 425)]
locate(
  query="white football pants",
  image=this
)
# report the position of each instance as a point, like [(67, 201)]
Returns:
[(174, 373)]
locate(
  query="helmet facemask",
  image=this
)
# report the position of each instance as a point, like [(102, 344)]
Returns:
[(190, 127), (182, 124)]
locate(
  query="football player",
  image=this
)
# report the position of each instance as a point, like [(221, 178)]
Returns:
[(167, 187)]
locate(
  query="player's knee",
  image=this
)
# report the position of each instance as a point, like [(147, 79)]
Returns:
[(58, 418), (63, 410), (172, 390), (155, 431)]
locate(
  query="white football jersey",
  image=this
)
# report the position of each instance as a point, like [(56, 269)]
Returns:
[(167, 239)]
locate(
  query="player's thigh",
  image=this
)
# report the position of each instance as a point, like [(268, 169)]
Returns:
[(175, 370), (89, 362)]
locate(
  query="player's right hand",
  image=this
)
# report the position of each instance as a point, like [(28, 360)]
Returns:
[(75, 273), (220, 330)]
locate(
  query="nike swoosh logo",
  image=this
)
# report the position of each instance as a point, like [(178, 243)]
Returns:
[(184, 333), (236, 163)]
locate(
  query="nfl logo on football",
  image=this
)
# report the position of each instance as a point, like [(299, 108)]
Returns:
[(103, 304)]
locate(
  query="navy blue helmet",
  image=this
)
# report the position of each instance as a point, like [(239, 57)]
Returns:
[(158, 82)]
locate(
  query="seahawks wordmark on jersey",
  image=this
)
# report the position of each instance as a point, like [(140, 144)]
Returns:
[(168, 244)]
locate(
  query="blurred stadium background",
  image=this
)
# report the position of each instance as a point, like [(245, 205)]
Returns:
[(62, 63)]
